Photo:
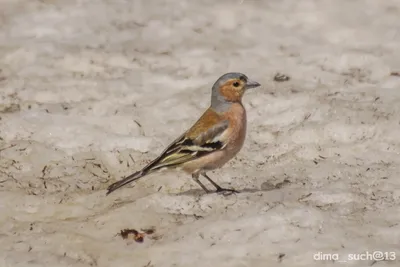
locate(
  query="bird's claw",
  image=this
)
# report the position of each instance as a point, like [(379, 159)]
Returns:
[(226, 191)]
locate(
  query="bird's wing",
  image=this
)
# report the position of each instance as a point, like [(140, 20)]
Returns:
[(208, 134), (187, 147), (190, 146)]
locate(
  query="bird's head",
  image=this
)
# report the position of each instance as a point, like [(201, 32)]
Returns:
[(230, 88)]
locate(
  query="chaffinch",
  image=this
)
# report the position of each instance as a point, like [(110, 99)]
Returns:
[(212, 141)]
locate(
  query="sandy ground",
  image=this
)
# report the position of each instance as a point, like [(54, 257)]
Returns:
[(92, 90)]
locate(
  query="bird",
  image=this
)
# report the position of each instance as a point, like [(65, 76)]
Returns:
[(214, 139)]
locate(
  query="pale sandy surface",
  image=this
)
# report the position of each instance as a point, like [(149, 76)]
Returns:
[(92, 90)]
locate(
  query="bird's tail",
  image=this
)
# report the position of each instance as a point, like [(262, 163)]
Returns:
[(170, 158), (133, 177)]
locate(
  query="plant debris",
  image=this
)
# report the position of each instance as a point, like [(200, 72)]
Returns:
[(132, 234), (395, 73), (279, 77)]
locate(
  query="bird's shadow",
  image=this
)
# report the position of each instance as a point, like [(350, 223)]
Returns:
[(265, 187), (200, 192)]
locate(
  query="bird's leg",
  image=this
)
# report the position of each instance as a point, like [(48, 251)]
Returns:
[(219, 188), (196, 179)]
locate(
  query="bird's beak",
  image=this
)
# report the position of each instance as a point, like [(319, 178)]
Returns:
[(252, 84)]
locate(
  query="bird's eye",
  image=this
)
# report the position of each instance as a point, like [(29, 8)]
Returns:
[(236, 84)]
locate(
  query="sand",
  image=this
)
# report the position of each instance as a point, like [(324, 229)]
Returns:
[(90, 91)]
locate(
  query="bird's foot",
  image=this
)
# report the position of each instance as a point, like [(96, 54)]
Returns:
[(226, 191)]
